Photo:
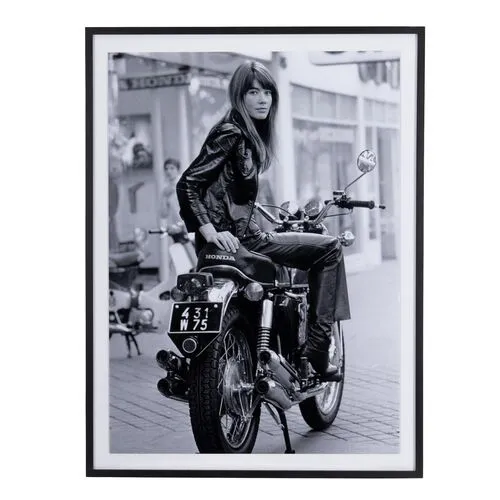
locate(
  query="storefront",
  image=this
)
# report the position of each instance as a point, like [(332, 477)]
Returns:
[(165, 109), (168, 103), (324, 132), (382, 135)]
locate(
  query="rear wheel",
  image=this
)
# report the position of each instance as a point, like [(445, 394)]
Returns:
[(320, 411), (221, 391)]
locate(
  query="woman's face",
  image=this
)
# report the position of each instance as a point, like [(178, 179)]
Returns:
[(258, 101)]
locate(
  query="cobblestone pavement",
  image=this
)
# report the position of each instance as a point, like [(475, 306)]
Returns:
[(143, 421)]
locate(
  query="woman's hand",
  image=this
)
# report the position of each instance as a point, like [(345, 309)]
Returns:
[(224, 240)]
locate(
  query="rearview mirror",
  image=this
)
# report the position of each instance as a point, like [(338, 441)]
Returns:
[(366, 161)]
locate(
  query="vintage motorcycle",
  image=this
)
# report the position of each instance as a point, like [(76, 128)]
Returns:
[(240, 322)]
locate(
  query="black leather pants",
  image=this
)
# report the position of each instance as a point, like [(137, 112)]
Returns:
[(322, 256)]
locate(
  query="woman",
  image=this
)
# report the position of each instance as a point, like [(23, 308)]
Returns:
[(218, 190)]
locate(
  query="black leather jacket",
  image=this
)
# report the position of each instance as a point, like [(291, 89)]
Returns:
[(220, 186)]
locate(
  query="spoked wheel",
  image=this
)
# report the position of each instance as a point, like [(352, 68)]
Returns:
[(224, 416), (320, 411)]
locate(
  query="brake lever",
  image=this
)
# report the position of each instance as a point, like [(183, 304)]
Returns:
[(349, 212)]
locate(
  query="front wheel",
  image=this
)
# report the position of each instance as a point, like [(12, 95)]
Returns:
[(221, 391), (320, 411)]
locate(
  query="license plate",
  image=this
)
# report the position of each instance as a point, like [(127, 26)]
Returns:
[(196, 317)]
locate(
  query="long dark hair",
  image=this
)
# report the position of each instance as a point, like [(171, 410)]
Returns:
[(261, 132)]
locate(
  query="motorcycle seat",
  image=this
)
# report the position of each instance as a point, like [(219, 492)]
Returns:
[(125, 259), (242, 265)]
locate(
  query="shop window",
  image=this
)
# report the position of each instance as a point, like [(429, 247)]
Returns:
[(392, 113), (324, 160), (302, 101), (346, 107), (134, 190), (369, 137), (372, 183), (379, 112), (387, 144), (368, 110), (208, 106), (325, 104), (372, 187)]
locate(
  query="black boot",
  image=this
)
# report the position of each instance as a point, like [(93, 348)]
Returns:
[(322, 291), (320, 361)]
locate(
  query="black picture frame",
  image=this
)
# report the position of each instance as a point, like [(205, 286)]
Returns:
[(417, 472)]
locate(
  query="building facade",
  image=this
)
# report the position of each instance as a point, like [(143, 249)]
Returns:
[(167, 103)]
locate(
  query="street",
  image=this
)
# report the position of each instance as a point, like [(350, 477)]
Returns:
[(144, 421)]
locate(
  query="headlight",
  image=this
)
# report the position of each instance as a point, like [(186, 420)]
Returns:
[(253, 292), (146, 317), (313, 208), (140, 235), (347, 238)]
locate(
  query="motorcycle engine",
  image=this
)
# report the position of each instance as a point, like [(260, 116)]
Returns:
[(289, 324)]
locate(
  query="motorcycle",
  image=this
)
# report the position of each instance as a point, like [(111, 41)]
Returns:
[(240, 323), (131, 309)]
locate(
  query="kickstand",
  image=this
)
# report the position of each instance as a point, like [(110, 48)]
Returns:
[(282, 423), (286, 435)]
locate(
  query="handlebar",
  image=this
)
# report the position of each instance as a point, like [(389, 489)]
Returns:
[(266, 214), (171, 230), (341, 202), (357, 203), (361, 204)]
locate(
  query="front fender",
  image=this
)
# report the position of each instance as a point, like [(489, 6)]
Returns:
[(223, 291)]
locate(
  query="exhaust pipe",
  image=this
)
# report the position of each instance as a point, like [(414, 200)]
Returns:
[(173, 389), (284, 390), (282, 371), (274, 393), (174, 385), (168, 360)]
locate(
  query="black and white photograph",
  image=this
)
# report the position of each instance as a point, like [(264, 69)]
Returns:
[(256, 214)]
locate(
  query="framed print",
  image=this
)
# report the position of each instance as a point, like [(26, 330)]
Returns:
[(254, 249)]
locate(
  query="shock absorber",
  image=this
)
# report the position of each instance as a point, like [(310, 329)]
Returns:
[(264, 330)]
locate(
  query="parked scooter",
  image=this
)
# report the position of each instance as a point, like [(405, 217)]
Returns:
[(123, 269), (131, 309)]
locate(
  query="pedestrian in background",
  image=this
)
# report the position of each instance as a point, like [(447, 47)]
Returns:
[(170, 209), (169, 202)]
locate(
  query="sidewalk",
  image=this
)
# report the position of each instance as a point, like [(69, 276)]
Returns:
[(142, 420)]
